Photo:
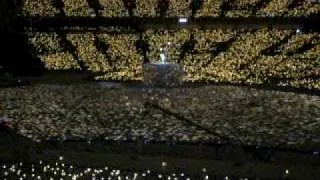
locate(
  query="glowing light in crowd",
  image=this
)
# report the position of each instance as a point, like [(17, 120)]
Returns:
[(183, 20)]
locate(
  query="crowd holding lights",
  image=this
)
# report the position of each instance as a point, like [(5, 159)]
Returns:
[(177, 8), (57, 114), (48, 171), (61, 171), (81, 112), (234, 64)]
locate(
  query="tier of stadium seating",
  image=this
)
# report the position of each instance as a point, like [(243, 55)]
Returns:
[(177, 8), (219, 55)]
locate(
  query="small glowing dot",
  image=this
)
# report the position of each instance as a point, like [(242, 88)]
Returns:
[(204, 170), (164, 164), (159, 176), (287, 171)]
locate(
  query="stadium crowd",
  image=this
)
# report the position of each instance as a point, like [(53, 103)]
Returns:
[(238, 56), (175, 8), (217, 55), (94, 111), (62, 169)]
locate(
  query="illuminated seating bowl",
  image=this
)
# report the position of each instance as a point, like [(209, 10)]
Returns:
[(162, 74)]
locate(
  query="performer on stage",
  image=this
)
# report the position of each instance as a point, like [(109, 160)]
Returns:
[(163, 57)]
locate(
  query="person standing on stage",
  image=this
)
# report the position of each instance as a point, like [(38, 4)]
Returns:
[(163, 57)]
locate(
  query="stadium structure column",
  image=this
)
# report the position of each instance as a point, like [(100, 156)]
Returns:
[(195, 5), (163, 6), (130, 6)]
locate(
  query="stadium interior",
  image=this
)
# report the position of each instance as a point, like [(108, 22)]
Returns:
[(74, 105)]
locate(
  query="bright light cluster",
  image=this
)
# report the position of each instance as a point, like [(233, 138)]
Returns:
[(60, 170)]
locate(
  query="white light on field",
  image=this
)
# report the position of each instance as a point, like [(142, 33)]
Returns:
[(183, 20), (298, 31), (287, 171)]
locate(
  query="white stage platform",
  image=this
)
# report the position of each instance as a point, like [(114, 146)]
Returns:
[(162, 74)]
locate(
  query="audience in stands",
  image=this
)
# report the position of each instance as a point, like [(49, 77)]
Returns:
[(175, 8), (217, 55)]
